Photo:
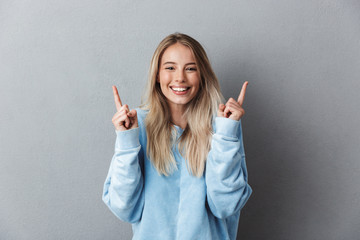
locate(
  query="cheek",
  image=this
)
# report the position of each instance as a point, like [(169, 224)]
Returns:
[(196, 82), (163, 78)]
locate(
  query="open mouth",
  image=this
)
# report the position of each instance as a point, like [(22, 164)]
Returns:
[(180, 90)]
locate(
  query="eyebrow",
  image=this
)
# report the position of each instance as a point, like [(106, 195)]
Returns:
[(191, 63)]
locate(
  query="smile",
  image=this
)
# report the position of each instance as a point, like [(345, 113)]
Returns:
[(180, 90)]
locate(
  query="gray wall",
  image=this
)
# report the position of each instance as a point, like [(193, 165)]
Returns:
[(59, 59)]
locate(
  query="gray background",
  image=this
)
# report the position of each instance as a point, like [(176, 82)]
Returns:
[(59, 59)]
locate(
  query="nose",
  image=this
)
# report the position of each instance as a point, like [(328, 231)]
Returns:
[(180, 76)]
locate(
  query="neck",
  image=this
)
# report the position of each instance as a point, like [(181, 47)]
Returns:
[(177, 115)]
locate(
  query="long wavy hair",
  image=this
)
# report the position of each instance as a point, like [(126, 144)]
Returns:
[(195, 141)]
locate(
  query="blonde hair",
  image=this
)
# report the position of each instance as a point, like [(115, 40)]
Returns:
[(195, 140)]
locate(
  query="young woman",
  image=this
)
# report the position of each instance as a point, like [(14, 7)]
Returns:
[(179, 168)]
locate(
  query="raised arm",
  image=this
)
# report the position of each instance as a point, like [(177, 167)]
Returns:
[(123, 190), (226, 173)]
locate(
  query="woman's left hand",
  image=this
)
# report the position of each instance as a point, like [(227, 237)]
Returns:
[(233, 109)]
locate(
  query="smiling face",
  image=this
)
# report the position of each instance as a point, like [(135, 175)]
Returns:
[(179, 77)]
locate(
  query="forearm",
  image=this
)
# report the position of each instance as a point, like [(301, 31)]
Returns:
[(226, 173), (123, 188)]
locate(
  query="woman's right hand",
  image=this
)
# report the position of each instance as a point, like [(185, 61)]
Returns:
[(124, 119)]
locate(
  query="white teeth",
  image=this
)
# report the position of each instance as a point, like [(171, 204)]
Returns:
[(179, 89)]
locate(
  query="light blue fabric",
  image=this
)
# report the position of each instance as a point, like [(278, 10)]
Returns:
[(180, 206)]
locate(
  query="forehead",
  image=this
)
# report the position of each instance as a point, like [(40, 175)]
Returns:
[(178, 53)]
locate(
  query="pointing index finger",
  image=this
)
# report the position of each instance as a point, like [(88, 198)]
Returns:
[(117, 98), (242, 93)]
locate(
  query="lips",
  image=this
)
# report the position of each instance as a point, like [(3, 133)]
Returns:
[(180, 90)]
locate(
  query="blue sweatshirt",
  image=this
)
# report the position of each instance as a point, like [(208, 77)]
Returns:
[(180, 206)]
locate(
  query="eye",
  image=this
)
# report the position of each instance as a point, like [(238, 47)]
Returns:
[(170, 68), (191, 69)]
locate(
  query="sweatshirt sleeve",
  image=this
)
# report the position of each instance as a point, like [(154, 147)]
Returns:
[(226, 174), (123, 190)]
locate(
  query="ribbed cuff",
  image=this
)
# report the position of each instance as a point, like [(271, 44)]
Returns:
[(127, 139), (226, 126)]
